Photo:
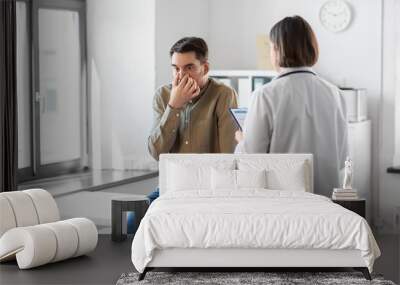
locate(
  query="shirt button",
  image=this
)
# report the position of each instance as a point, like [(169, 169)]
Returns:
[(190, 101), (186, 142), (177, 115)]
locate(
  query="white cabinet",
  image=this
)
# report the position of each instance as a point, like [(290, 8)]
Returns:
[(359, 137)]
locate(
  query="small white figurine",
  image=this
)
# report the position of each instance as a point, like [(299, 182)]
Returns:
[(348, 174)]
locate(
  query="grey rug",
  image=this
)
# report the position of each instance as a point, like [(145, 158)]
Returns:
[(229, 278)]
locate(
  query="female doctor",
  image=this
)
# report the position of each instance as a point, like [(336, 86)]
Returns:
[(298, 111)]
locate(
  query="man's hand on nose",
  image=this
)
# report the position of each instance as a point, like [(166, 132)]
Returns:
[(183, 91)]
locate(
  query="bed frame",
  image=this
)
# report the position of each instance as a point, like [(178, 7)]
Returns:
[(242, 259)]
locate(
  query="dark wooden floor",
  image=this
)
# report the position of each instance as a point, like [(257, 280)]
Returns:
[(103, 266), (111, 259)]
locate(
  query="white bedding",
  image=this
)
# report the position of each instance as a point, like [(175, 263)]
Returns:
[(251, 218)]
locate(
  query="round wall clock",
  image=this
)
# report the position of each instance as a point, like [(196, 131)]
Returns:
[(335, 15)]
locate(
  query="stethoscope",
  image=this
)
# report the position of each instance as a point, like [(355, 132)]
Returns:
[(293, 72)]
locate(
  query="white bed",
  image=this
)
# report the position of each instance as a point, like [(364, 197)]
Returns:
[(203, 220)]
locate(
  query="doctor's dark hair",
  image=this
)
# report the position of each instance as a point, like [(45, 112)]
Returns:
[(189, 44), (295, 42)]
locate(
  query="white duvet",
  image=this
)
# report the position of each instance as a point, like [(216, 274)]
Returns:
[(252, 218)]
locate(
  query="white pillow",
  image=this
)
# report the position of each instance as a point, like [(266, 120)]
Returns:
[(223, 179), (251, 178), (185, 175), (237, 179), (287, 180), (282, 174)]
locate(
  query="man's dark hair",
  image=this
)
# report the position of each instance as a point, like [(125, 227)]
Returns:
[(295, 42), (189, 44)]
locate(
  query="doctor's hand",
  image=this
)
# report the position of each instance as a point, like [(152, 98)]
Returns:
[(238, 136), (183, 90)]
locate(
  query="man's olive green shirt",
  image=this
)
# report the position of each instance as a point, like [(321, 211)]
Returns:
[(203, 125)]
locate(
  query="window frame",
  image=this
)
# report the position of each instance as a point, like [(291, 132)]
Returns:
[(36, 170)]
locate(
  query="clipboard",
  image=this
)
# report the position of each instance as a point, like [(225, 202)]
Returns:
[(238, 114)]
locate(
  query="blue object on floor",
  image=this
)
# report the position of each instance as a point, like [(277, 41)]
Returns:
[(154, 195), (130, 222)]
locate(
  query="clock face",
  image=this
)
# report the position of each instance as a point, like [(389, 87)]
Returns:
[(335, 15)]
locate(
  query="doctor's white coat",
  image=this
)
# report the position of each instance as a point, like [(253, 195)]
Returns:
[(299, 113)]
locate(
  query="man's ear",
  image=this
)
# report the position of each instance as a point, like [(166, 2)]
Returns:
[(206, 67)]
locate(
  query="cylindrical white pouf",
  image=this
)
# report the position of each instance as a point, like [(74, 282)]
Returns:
[(87, 233), (67, 239), (45, 205), (23, 208), (6, 215), (33, 246)]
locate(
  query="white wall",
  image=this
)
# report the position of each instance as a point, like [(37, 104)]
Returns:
[(393, 8), (121, 62), (176, 19), (389, 186), (233, 36)]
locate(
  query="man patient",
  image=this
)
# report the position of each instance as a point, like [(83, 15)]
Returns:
[(191, 115)]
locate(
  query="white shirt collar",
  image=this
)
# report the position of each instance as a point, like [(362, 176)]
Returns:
[(284, 70)]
